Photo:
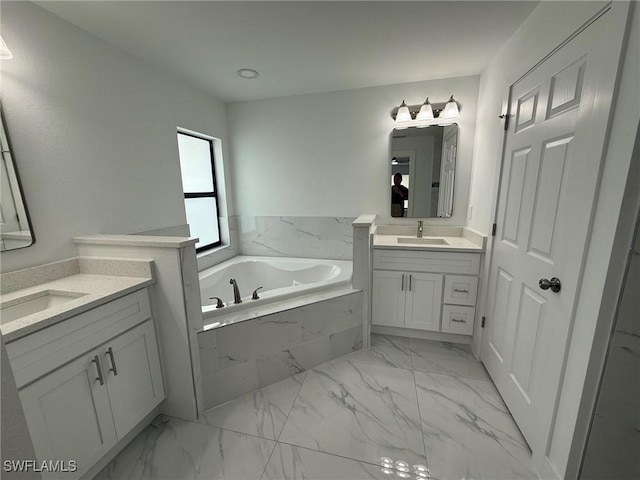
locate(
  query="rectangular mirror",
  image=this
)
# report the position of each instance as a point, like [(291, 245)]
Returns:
[(15, 224), (423, 164)]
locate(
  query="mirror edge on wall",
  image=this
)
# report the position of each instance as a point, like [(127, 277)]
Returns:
[(7, 150)]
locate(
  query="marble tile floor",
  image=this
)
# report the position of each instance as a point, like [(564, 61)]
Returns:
[(404, 408)]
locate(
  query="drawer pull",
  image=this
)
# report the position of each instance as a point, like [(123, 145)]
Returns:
[(459, 290), (458, 320), (113, 368), (100, 378)]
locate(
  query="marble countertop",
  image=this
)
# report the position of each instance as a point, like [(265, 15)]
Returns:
[(95, 290), (456, 244), (458, 239)]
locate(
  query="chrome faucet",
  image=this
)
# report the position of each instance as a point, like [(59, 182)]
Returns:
[(419, 228), (236, 291)]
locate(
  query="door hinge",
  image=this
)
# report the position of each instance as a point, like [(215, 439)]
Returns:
[(506, 121), (484, 319), (493, 229)]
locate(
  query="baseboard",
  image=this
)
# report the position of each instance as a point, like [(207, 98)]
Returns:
[(423, 334)]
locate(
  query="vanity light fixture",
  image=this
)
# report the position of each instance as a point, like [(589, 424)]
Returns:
[(5, 53), (403, 117), (426, 112), (425, 115), (450, 110)]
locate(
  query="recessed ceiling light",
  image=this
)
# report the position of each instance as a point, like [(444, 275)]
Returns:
[(248, 73)]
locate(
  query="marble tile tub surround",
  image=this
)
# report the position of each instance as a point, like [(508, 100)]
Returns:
[(336, 420), (305, 237), (242, 357), (95, 280)]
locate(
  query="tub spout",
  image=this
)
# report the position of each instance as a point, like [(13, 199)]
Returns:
[(219, 303), (255, 296), (236, 291)]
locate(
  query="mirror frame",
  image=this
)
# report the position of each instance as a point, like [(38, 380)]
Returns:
[(448, 184), (18, 181)]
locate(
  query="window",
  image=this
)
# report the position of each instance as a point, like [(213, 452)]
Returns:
[(199, 187)]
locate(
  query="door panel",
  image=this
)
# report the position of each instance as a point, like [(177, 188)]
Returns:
[(566, 88), (511, 220), (550, 172), (547, 201), (527, 338), (499, 329)]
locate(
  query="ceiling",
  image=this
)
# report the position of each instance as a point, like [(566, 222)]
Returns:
[(301, 47)]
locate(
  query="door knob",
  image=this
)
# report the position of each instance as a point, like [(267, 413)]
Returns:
[(553, 284)]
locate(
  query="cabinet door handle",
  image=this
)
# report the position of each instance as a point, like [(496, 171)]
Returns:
[(410, 277), (100, 378), (402, 283), (113, 368), (458, 320), (460, 290)]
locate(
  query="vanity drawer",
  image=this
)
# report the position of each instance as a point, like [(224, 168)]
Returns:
[(458, 319), (428, 261), (36, 354), (460, 290)]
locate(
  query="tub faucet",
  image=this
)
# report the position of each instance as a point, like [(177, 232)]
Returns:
[(419, 228), (236, 291)]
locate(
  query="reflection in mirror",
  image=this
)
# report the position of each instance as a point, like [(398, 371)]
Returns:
[(423, 162), (15, 225)]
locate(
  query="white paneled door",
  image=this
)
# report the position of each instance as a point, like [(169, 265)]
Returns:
[(558, 116)]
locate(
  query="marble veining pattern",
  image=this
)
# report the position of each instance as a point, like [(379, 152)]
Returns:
[(305, 237), (446, 358), (175, 449), (359, 410), (337, 420)]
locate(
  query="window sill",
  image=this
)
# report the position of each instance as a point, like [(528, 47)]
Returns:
[(221, 248)]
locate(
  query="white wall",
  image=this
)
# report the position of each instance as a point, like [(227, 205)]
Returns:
[(328, 154), (94, 134)]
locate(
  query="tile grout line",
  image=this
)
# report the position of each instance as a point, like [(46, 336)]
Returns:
[(277, 440), (293, 403), (424, 445), (330, 454)]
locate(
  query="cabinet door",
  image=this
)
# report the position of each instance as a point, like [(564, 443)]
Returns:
[(69, 416), (133, 375), (388, 298), (424, 300)]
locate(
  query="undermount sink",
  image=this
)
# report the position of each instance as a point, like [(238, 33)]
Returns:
[(34, 303), (422, 241)]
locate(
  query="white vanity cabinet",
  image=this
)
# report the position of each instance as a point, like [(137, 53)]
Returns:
[(83, 389), (425, 290), (407, 299)]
